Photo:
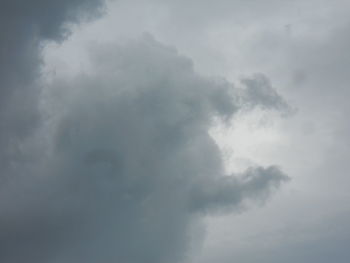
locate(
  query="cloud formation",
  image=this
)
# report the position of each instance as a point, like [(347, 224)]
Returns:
[(130, 163), (121, 166)]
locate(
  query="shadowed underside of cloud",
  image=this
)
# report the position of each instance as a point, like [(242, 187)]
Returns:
[(123, 165)]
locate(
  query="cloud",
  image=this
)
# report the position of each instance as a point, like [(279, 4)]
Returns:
[(118, 165), (24, 25), (129, 166), (259, 92)]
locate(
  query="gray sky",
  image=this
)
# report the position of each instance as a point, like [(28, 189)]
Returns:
[(174, 131)]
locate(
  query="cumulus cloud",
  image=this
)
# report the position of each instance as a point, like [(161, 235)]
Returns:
[(120, 166), (129, 163)]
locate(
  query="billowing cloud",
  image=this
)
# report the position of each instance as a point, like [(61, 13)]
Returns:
[(129, 165), (120, 165)]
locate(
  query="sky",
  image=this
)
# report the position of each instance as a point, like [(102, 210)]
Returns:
[(174, 131)]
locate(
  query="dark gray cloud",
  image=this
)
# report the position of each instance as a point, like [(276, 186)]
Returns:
[(24, 25), (117, 165), (128, 167)]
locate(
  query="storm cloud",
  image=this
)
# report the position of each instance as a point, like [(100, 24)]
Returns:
[(118, 164), (24, 26)]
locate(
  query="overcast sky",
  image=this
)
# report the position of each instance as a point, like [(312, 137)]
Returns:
[(158, 131)]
